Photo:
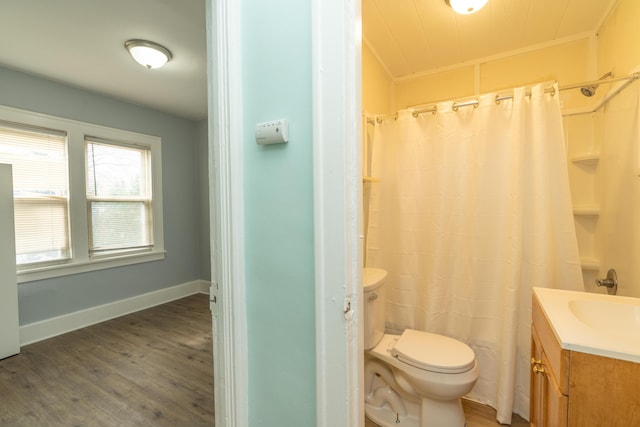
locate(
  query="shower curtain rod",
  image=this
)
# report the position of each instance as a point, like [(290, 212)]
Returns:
[(474, 102)]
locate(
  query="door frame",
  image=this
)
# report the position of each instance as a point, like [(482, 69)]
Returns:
[(337, 188), (227, 292), (337, 165)]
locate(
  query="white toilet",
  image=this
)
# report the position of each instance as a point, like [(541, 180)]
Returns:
[(415, 379)]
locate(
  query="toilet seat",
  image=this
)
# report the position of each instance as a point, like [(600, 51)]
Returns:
[(432, 352)]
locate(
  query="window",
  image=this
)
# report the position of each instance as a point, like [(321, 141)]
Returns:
[(86, 197), (40, 191), (118, 197)]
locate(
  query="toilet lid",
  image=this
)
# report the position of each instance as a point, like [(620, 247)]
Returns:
[(433, 352)]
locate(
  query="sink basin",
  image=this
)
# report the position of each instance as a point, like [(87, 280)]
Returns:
[(604, 325), (613, 318)]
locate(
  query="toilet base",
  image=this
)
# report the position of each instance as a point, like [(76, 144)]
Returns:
[(434, 414), (385, 417), (439, 413)]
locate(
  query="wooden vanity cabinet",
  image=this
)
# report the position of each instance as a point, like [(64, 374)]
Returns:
[(574, 389)]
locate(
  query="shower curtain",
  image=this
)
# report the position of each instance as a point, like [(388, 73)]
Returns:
[(472, 209)]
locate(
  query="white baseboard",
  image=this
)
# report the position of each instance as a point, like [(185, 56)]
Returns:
[(43, 329)]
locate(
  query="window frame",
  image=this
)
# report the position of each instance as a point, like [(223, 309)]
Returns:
[(29, 199), (145, 197), (80, 260)]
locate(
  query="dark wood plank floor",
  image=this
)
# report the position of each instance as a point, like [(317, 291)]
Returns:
[(150, 368)]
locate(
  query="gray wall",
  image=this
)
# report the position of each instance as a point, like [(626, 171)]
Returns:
[(181, 141)]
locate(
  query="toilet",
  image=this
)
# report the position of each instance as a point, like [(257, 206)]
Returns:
[(415, 379)]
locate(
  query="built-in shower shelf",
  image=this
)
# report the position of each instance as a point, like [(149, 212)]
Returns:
[(589, 263), (590, 210), (590, 159), (369, 179)]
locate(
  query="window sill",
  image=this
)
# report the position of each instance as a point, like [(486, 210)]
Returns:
[(51, 271)]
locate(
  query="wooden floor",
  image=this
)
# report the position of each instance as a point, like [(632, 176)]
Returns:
[(478, 415), (150, 368)]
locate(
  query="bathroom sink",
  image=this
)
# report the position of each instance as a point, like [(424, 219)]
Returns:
[(604, 325), (615, 318)]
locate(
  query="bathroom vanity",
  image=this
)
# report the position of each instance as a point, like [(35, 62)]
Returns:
[(585, 360)]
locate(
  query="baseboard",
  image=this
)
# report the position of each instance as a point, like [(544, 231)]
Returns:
[(43, 329)]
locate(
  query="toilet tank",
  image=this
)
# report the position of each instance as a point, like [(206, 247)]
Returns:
[(374, 305)]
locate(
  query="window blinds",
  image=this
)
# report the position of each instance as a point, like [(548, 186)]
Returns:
[(40, 188)]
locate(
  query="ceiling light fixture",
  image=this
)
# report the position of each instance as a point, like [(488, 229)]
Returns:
[(148, 54), (466, 7)]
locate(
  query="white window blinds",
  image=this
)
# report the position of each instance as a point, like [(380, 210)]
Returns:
[(40, 188), (118, 197)]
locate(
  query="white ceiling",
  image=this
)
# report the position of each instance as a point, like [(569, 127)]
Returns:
[(81, 42), (416, 36)]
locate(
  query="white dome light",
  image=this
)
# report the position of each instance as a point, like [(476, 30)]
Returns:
[(148, 54), (466, 7)]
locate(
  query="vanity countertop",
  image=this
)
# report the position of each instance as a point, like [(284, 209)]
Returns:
[(604, 325)]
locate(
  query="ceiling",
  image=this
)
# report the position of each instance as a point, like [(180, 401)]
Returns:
[(412, 37), (80, 42)]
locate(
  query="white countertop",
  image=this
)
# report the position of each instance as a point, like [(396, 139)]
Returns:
[(604, 325)]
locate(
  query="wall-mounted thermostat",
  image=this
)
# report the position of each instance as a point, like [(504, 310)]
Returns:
[(274, 132)]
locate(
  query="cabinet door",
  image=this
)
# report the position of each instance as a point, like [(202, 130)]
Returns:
[(556, 404), (536, 398), (548, 406)]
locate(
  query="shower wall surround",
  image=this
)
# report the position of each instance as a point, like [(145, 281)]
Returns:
[(603, 171), (597, 145)]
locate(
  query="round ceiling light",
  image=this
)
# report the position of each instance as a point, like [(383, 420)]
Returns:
[(148, 54), (466, 7)]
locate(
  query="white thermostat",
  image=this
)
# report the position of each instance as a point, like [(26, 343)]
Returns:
[(274, 132)]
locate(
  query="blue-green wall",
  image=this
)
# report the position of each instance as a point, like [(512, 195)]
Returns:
[(182, 206), (276, 74)]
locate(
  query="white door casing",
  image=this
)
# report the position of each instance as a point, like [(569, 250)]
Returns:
[(226, 213), (336, 68)]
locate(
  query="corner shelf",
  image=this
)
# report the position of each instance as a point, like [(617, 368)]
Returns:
[(590, 210), (589, 159), (588, 263)]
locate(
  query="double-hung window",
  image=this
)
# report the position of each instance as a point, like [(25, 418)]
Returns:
[(41, 192), (119, 197), (86, 197)]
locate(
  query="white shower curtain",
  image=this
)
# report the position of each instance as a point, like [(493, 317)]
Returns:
[(472, 209)]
